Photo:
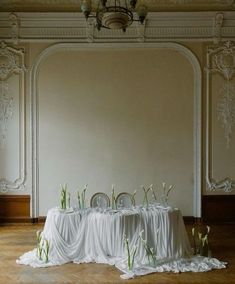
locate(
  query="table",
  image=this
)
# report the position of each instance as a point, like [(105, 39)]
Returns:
[(97, 235)]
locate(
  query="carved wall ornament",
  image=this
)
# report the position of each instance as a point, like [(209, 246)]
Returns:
[(12, 62), (90, 28), (224, 60), (218, 23), (227, 185), (15, 28), (141, 29), (220, 59), (9, 62), (226, 110), (6, 110)]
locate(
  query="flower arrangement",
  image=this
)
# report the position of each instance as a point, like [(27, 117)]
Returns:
[(43, 247), (149, 250), (153, 193), (46, 250), (69, 196), (145, 200), (114, 199), (130, 253), (151, 254), (82, 198), (200, 242), (166, 192), (63, 196), (133, 198), (39, 248)]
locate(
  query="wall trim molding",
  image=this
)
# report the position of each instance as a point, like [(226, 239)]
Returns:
[(95, 46)]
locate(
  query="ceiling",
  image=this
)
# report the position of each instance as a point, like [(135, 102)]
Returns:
[(153, 5)]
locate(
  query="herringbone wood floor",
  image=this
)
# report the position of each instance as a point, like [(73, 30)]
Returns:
[(17, 239)]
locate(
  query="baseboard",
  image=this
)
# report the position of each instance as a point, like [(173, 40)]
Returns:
[(15, 209), (15, 220), (218, 209), (42, 219), (191, 220)]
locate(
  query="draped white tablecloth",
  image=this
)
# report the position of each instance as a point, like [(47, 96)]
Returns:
[(97, 235)]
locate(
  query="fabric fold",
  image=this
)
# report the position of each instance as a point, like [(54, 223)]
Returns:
[(97, 235)]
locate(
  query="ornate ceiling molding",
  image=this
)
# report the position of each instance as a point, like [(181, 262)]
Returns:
[(160, 26), (153, 5)]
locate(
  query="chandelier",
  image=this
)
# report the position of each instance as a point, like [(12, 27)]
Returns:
[(114, 14)]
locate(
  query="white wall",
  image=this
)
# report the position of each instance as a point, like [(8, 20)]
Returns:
[(116, 117)]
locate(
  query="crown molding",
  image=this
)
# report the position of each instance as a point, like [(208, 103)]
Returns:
[(160, 26), (153, 5)]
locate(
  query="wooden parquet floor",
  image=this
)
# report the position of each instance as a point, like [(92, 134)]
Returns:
[(17, 239)]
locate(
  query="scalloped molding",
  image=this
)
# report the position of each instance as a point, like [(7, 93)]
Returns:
[(84, 46), (14, 64), (215, 64)]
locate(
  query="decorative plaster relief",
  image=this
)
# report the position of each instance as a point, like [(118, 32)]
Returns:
[(15, 27), (227, 185), (224, 60), (220, 60), (12, 62), (226, 110), (6, 111), (141, 28), (9, 62), (218, 23), (90, 29)]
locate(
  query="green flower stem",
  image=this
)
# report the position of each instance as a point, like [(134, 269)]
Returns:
[(82, 198), (133, 198), (46, 250), (128, 254), (79, 199), (133, 257), (63, 197), (114, 199), (194, 242), (153, 192), (145, 200), (149, 251)]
